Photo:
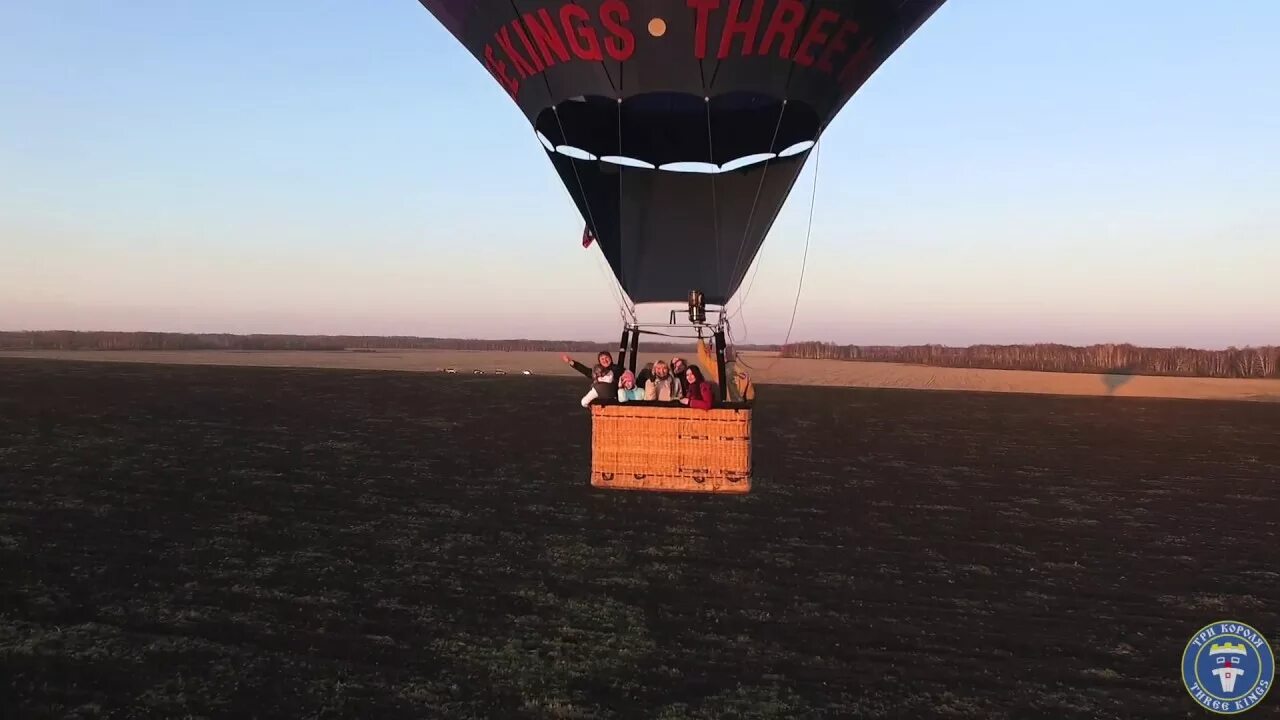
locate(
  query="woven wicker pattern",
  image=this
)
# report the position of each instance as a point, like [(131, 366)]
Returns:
[(673, 449)]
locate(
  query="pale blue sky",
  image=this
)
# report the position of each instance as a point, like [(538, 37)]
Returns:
[(1085, 171)]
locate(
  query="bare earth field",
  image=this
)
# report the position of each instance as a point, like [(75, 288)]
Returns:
[(765, 369), (243, 542)]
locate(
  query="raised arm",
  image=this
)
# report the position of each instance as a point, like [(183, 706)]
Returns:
[(576, 365)]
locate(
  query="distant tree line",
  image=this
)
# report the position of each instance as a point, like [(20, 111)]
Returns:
[(1248, 362), (76, 340)]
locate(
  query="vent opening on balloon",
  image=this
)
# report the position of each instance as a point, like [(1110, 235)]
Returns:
[(679, 132)]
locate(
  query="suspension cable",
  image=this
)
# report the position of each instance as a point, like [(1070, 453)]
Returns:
[(813, 198), (622, 172), (786, 91), (808, 234), (619, 294), (715, 204), (764, 173)]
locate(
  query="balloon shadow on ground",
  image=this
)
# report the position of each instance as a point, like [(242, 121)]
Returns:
[(1118, 377)]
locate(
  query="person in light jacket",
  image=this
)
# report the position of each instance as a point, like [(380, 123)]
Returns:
[(662, 386), (627, 389)]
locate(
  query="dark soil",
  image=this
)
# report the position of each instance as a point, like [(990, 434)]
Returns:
[(236, 543)]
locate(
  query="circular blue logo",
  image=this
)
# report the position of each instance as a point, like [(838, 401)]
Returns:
[(1228, 667)]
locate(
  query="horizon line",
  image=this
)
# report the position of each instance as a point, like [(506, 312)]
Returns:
[(610, 343)]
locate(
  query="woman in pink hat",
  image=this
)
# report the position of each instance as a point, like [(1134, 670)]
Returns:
[(627, 390)]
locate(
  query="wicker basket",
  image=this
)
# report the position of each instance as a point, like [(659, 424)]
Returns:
[(671, 449)]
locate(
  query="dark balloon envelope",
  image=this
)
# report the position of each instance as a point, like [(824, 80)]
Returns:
[(643, 104)]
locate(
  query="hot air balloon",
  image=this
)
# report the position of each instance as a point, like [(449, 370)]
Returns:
[(678, 128)]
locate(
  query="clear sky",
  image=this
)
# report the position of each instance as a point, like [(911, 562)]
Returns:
[(1085, 171)]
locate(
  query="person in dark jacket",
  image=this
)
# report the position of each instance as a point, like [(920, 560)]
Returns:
[(642, 377), (698, 395), (604, 377), (678, 366)]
